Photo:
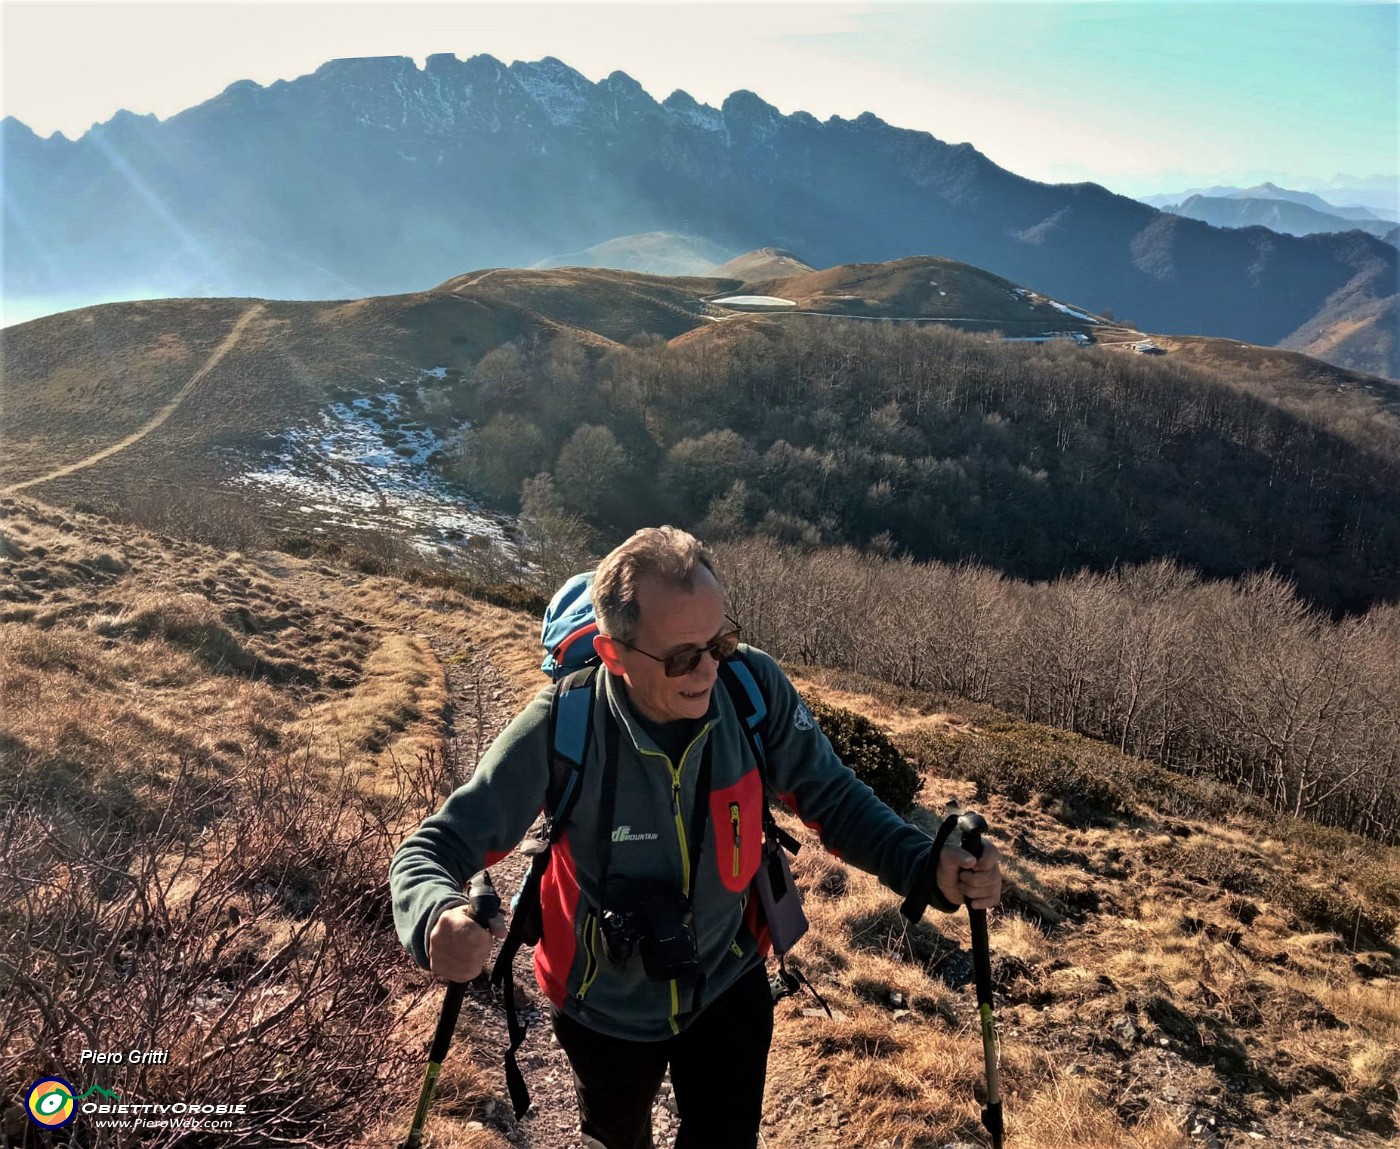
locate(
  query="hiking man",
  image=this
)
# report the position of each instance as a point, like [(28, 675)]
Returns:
[(653, 951)]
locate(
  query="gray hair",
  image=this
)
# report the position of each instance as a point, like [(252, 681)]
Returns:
[(666, 553)]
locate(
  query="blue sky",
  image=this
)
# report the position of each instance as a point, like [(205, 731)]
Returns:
[(1141, 97)]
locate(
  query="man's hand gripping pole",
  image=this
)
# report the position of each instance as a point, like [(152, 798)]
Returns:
[(485, 906)]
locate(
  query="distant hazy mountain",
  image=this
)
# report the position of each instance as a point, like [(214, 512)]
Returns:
[(1339, 203), (655, 253), (1380, 193), (1334, 206), (1166, 199), (372, 176), (1282, 215)]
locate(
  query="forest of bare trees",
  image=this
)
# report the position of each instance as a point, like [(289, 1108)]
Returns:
[(1238, 680)]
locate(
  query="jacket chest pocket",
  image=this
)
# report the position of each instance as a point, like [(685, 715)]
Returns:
[(736, 813)]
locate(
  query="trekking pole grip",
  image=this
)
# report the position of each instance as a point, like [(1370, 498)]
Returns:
[(972, 827), (485, 902)]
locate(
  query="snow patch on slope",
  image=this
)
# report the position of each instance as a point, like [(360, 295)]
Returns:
[(365, 465), (1071, 311)]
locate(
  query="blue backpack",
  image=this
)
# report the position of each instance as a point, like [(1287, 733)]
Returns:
[(569, 628)]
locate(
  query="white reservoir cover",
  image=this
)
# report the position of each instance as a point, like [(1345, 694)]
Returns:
[(756, 301)]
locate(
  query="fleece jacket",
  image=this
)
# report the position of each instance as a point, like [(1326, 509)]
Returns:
[(484, 819)]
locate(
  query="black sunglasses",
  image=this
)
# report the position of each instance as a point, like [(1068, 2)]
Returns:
[(681, 662)]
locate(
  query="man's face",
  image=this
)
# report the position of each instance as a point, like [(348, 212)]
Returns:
[(671, 618)]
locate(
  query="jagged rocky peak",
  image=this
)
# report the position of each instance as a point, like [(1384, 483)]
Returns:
[(621, 82), (484, 67), (243, 90), (685, 106), (365, 69), (444, 68), (746, 105), (561, 91), (444, 65), (16, 129), (748, 116), (620, 99), (870, 120), (554, 69), (127, 123)]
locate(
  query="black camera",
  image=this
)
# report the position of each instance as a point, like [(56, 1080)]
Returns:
[(619, 928), (661, 924)]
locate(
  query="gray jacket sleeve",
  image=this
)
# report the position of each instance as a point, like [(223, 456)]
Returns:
[(479, 823), (825, 793)]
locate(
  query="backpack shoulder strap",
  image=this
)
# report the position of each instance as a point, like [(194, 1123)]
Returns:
[(747, 696), (570, 733)]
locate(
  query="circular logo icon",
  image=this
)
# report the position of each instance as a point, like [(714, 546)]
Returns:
[(51, 1102)]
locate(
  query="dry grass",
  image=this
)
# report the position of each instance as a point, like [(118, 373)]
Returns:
[(398, 701), (210, 861), (1190, 939), (508, 639), (612, 304), (1151, 971), (81, 382)]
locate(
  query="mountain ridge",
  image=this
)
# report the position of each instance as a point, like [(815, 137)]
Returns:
[(476, 163), (876, 400)]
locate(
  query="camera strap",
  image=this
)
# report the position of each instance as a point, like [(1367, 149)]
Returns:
[(700, 814), (607, 808)]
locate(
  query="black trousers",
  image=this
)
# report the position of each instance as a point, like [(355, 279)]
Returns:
[(718, 1065)]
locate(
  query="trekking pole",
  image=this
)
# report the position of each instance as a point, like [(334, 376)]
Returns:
[(972, 827), (485, 905)]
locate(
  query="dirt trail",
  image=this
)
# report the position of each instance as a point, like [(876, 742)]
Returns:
[(160, 417), (482, 698)]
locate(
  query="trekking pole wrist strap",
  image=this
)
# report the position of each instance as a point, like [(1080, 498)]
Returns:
[(925, 891)]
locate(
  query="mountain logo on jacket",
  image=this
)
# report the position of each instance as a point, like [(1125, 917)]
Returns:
[(624, 834), (803, 718)]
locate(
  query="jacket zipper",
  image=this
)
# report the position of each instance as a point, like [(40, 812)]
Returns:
[(590, 951), (676, 772), (734, 821)]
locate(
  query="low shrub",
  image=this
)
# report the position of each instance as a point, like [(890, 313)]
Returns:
[(867, 750), (1018, 764)]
